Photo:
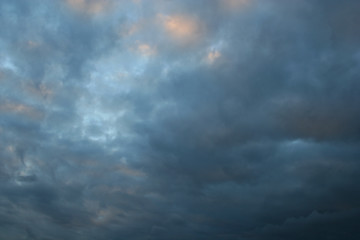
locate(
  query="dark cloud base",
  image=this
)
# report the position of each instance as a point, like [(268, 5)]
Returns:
[(223, 119)]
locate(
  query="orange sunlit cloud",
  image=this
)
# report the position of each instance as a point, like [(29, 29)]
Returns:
[(32, 44), (233, 4), (146, 50), (212, 56), (89, 6), (23, 109), (183, 29)]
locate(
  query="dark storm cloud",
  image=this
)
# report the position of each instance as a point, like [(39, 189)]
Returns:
[(223, 119)]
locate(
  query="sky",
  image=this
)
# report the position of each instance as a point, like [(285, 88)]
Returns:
[(179, 119)]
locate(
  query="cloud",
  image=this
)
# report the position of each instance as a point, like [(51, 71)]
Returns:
[(181, 28), (179, 119), (92, 7), (234, 4), (212, 56), (22, 109)]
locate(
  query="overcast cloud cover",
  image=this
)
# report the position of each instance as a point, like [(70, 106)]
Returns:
[(179, 119)]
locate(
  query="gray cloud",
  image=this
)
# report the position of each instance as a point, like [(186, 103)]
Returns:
[(223, 119)]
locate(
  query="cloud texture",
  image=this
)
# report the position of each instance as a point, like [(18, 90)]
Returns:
[(206, 119)]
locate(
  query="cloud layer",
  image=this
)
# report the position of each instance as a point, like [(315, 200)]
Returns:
[(221, 119)]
